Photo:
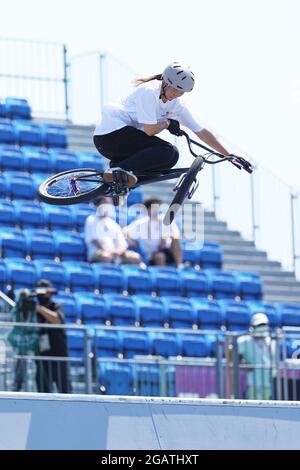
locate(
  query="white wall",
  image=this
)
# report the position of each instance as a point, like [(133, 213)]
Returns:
[(31, 421)]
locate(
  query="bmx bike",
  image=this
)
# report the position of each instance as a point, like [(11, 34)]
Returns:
[(85, 184)]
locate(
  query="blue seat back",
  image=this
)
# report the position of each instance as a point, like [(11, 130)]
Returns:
[(41, 244), (109, 277), (55, 272), (122, 309), (150, 311), (11, 158), (29, 214), (208, 313), (92, 308)]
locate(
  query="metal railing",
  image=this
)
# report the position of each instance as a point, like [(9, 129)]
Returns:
[(37, 71), (265, 369)]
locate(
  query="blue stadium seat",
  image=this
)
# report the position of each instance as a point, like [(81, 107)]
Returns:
[(272, 312), (147, 380), (109, 277), (194, 283), (54, 136), (166, 280), (7, 132), (117, 379), (289, 314), (150, 311), (29, 214), (135, 197), (250, 286), (12, 243), (41, 244), (3, 276), (75, 341), (122, 309), (191, 252), (164, 344), (63, 160), (91, 160), (37, 179), (80, 214), (137, 280), (55, 272), (58, 217), (80, 276), (18, 108), (237, 315), (20, 273), (223, 284), (20, 185), (135, 344), (179, 312), (93, 309), (107, 344), (211, 256), (69, 306), (3, 110), (37, 160), (3, 186), (11, 158), (208, 314), (193, 345), (28, 133), (7, 214), (69, 246)]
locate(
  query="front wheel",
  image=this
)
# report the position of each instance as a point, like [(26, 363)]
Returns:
[(183, 191), (72, 187)]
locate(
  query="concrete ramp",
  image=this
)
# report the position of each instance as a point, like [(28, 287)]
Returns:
[(44, 421)]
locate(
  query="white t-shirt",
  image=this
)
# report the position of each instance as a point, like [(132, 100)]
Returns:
[(144, 106), (106, 231), (151, 232)]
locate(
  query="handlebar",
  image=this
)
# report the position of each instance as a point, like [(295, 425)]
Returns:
[(239, 162)]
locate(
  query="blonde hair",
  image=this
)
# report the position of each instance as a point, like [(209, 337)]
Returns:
[(140, 81)]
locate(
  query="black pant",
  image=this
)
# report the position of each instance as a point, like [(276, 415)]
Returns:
[(134, 150), (48, 372), (20, 374)]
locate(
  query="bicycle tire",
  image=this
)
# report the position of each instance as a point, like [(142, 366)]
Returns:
[(181, 193), (62, 196)]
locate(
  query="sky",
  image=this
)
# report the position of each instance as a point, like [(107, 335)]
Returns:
[(244, 53)]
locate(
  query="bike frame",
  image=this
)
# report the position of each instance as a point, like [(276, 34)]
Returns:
[(155, 176)]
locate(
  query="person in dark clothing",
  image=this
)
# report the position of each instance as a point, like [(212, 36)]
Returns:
[(52, 342)]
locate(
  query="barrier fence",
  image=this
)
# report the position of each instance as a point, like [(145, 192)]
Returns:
[(236, 365)]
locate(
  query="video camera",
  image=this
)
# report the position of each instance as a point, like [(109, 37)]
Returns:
[(28, 299)]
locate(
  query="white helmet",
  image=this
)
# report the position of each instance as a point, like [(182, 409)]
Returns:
[(259, 319), (179, 76)]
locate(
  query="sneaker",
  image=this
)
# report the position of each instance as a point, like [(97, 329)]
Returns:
[(118, 175)]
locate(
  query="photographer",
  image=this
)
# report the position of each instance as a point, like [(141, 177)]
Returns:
[(52, 342), (23, 339)]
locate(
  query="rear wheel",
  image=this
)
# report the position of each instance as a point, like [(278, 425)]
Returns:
[(73, 186), (183, 191)]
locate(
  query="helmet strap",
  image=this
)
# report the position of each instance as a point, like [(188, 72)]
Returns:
[(163, 87)]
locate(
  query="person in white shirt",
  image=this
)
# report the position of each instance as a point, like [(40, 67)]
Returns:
[(126, 134), (104, 238), (160, 243)]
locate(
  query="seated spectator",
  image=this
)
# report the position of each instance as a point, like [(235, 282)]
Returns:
[(159, 243), (104, 238)]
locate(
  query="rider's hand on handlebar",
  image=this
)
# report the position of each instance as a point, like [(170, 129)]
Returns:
[(174, 127)]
